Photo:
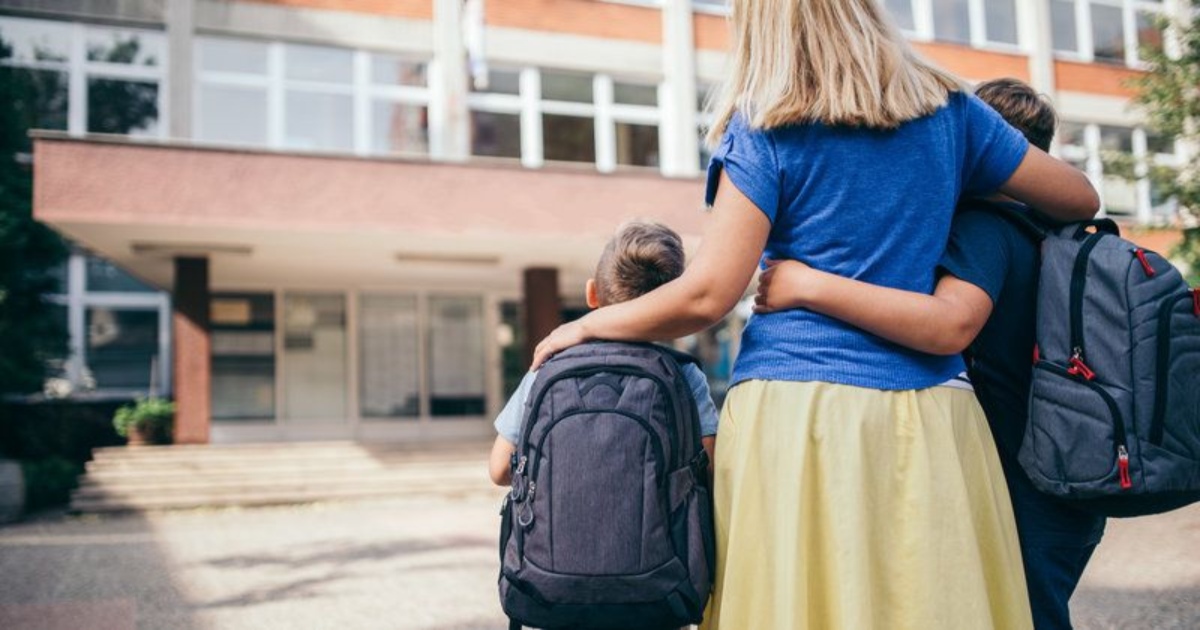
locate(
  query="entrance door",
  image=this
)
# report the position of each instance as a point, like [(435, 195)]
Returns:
[(314, 356)]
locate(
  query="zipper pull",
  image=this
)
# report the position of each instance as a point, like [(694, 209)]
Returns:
[(1196, 301), (1123, 467), (521, 465), (1078, 367), (1141, 256)]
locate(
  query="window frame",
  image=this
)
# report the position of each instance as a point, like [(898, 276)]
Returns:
[(1091, 154), (1084, 32), (364, 93), (80, 70)]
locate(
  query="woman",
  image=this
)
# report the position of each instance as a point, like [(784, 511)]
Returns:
[(851, 490)]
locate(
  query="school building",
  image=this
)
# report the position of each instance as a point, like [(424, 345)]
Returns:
[(319, 219)]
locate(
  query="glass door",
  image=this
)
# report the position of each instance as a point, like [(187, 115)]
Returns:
[(314, 355)]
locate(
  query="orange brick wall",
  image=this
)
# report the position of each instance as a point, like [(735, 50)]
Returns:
[(711, 31), (579, 17), (1094, 78), (975, 64), (420, 9)]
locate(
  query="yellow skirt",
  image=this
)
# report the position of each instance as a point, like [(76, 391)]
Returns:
[(840, 507)]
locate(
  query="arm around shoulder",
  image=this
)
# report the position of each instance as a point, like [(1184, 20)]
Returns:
[(1052, 186)]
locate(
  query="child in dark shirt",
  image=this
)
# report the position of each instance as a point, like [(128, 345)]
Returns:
[(987, 299)]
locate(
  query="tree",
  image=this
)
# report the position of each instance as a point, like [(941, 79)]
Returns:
[(1169, 93), (30, 332)]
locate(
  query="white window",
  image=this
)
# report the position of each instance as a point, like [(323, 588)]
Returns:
[(1090, 147), (310, 98), (1112, 31), (974, 22), (85, 79), (541, 115), (119, 331)]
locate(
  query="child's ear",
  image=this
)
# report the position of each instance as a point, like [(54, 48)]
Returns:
[(589, 294)]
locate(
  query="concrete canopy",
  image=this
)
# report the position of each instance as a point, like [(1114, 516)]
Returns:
[(271, 219)]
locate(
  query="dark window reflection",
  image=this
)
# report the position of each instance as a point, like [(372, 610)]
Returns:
[(569, 138), (243, 356), (122, 107), (566, 86), (637, 145), (105, 276), (39, 100), (495, 135), (122, 348)]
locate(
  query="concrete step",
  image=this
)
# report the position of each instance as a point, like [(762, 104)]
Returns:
[(317, 451), (171, 477), (423, 475), (263, 498)]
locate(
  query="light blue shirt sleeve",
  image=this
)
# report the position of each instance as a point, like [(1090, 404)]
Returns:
[(508, 423), (704, 403)]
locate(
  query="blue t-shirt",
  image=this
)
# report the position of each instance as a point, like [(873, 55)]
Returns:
[(873, 205), (508, 423), (993, 254)]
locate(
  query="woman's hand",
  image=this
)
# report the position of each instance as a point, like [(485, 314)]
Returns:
[(563, 337), (786, 284)]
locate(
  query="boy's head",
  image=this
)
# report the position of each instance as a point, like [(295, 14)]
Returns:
[(641, 256), (1023, 108)]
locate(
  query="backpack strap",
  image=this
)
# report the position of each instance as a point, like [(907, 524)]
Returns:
[(513, 624)]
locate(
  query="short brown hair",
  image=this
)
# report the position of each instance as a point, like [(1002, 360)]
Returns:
[(641, 256), (1023, 108)]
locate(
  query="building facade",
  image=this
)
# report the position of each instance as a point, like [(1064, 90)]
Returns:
[(312, 219)]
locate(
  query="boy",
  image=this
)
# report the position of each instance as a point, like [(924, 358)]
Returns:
[(640, 257), (988, 296)]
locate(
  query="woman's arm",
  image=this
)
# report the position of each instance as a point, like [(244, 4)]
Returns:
[(943, 323), (734, 236), (1054, 187)]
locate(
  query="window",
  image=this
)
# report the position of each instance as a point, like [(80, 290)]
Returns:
[(456, 357), (389, 360), (243, 356), (120, 69), (1111, 31), (538, 115), (123, 348), (974, 22), (1099, 149), (314, 352), (311, 98)]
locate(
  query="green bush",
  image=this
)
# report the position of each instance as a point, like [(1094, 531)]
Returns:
[(49, 482), (152, 417)]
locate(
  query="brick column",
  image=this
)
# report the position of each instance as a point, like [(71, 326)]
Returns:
[(543, 308), (192, 352)]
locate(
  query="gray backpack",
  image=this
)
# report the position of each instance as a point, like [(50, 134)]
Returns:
[(1114, 409), (609, 520)]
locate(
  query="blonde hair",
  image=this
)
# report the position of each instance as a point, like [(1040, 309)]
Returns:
[(641, 257), (838, 62)]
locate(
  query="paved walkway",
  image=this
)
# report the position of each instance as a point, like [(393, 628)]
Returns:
[(428, 564)]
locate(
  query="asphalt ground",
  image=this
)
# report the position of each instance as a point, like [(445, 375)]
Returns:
[(425, 564)]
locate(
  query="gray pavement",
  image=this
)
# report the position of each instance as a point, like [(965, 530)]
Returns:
[(416, 564)]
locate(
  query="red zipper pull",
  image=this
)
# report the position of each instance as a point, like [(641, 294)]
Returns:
[(1123, 467), (1037, 352), (1141, 256), (1079, 368)]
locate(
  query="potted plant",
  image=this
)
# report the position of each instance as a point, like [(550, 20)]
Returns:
[(147, 421)]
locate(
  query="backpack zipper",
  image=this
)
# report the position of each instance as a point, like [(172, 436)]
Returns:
[(1078, 283), (1163, 365), (1121, 451)]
